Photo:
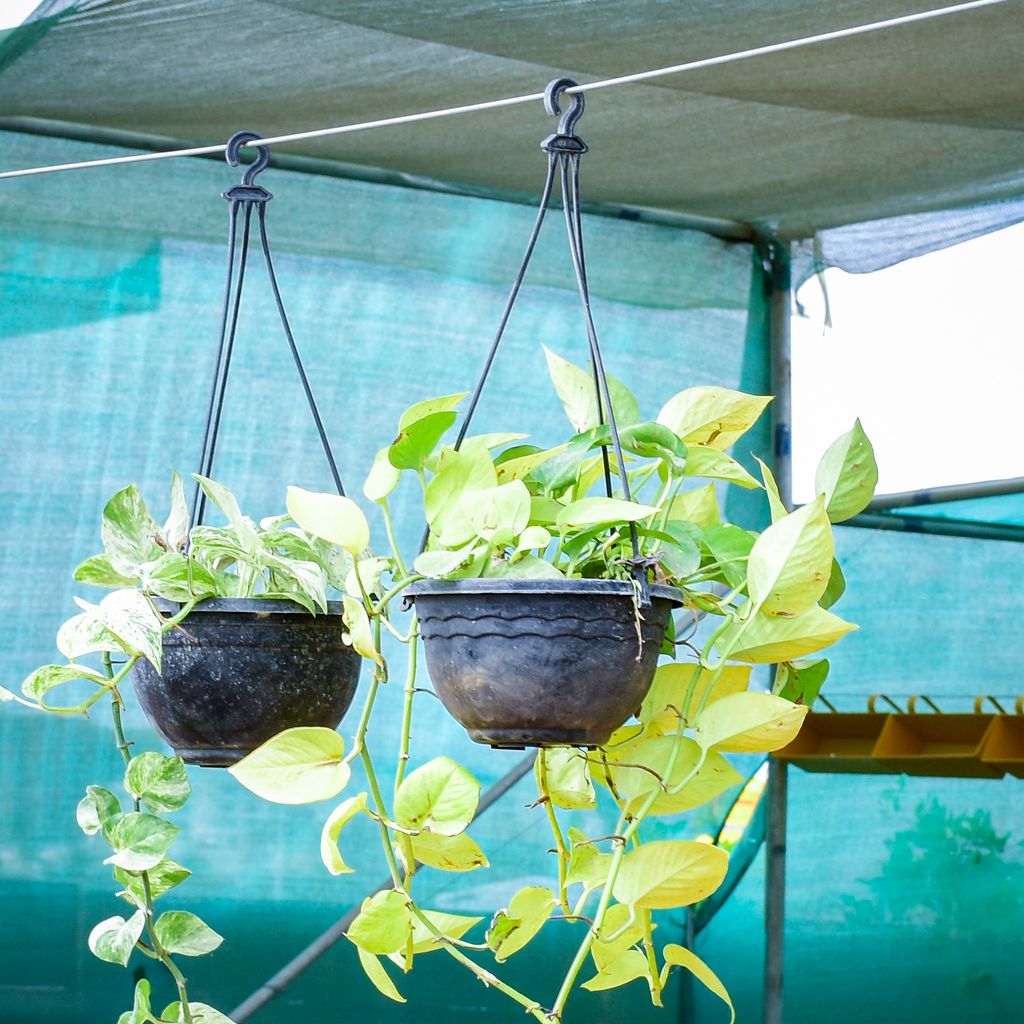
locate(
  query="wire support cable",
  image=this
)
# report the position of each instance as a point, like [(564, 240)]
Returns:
[(512, 101)]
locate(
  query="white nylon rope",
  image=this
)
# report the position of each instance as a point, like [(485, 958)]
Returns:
[(511, 101)]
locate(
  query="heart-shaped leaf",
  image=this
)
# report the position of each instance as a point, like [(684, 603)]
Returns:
[(330, 517), (440, 796), (750, 722), (847, 475), (114, 939), (297, 766), (712, 416), (670, 873)]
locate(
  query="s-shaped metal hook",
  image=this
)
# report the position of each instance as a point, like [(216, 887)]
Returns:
[(248, 189), (565, 140)]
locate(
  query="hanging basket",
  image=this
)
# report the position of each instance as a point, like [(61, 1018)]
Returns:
[(239, 670), (541, 663)]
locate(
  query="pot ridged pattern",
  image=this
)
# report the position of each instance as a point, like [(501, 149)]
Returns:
[(239, 671), (535, 663)]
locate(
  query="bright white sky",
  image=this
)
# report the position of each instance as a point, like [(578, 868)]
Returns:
[(929, 354), (14, 12)]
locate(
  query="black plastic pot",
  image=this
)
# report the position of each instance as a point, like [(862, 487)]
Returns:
[(239, 670), (540, 663)]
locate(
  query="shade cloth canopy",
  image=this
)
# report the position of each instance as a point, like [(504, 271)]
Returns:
[(913, 134)]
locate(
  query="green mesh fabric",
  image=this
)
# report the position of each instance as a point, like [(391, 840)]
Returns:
[(111, 289)]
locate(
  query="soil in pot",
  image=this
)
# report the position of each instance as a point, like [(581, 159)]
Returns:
[(540, 663), (239, 670)]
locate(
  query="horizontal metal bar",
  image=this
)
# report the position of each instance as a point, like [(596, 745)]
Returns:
[(733, 231), (936, 525), (952, 492)]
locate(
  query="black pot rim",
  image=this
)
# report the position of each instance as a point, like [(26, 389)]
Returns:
[(569, 588), (258, 606)]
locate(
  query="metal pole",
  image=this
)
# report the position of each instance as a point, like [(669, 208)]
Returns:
[(775, 833), (951, 492), (323, 942), (937, 525)]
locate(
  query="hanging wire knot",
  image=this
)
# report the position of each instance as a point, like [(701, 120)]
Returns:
[(248, 189), (565, 140)]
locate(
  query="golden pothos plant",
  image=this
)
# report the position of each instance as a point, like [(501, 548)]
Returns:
[(497, 507)]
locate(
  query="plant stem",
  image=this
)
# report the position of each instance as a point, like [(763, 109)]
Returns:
[(389, 527), (125, 748), (556, 831), (410, 692)]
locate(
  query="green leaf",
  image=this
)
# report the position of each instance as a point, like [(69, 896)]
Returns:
[(627, 967), (382, 479), (836, 586), (670, 873), (84, 634), (577, 391), (680, 556), (847, 475), (712, 416), (129, 616), (330, 854), (162, 878), (768, 638), (708, 462), (452, 926), (587, 864), (563, 469), (790, 563), (201, 1013), (129, 531), (384, 924), (730, 546), (439, 564), (562, 775), (678, 956), (533, 538), (448, 853), (245, 532), (513, 927), (114, 939), (139, 840), (48, 677), (801, 681), (749, 722), (330, 517), (99, 572), (141, 1011), (528, 567), (440, 796), (185, 934), (417, 440), (469, 469), (596, 511), (775, 503), (368, 571), (97, 807), (297, 766), (160, 782), (699, 506), (428, 407), (524, 465), (498, 514), (178, 578), (359, 634), (175, 529), (374, 970)]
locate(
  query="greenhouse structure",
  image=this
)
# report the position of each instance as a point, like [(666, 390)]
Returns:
[(876, 861)]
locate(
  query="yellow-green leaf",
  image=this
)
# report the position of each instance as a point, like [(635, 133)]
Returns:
[(708, 462), (338, 819), (331, 517), (374, 970), (699, 506), (672, 680), (587, 864), (678, 956), (623, 969), (791, 562), (770, 638), (513, 927), (578, 393), (358, 634), (448, 853), (382, 479), (297, 766), (440, 796), (847, 475), (713, 416), (384, 924), (594, 511), (670, 873), (562, 774), (451, 926), (750, 722), (775, 503)]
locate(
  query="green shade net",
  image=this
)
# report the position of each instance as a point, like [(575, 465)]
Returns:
[(111, 290), (905, 140)]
